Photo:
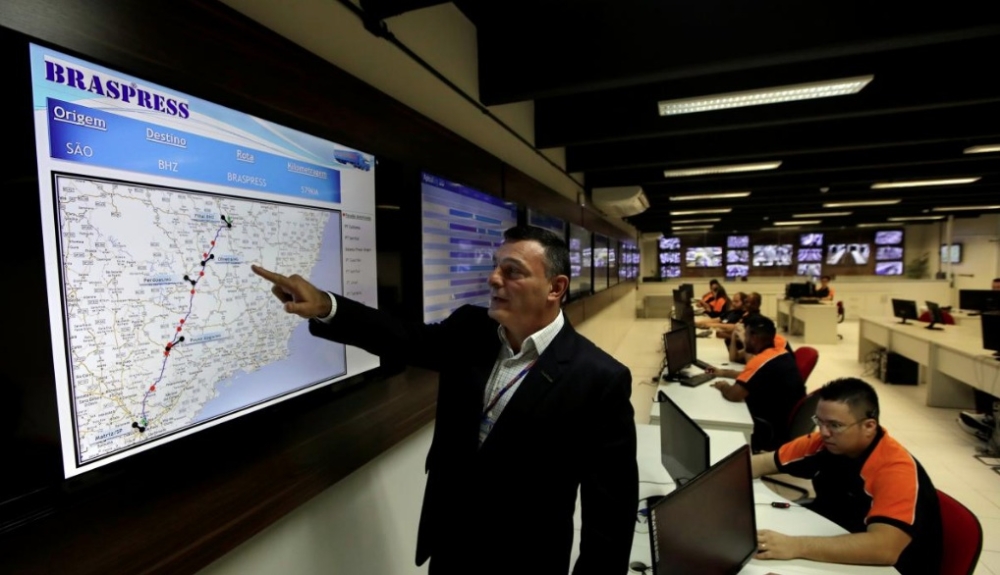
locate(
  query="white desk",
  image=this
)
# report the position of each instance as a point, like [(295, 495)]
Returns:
[(952, 360), (706, 406), (816, 323), (792, 521), (720, 444)]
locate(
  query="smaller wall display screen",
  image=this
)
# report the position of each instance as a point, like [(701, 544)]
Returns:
[(704, 257), (848, 254), (738, 241), (810, 270), (811, 240), (889, 268), (770, 255), (884, 253), (810, 255), (889, 237), (737, 270), (738, 256)]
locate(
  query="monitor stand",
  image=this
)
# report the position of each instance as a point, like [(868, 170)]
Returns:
[(904, 322), (931, 326)]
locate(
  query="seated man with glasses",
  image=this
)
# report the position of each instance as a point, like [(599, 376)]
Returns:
[(865, 481)]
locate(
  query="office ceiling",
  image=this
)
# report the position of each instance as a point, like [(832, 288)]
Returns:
[(597, 69)]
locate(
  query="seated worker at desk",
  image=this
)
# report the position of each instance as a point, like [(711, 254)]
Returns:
[(770, 384), (736, 344), (865, 481), (728, 318), (749, 305), (715, 302), (824, 292)]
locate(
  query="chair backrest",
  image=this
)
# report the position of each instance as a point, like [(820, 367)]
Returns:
[(800, 421), (947, 317), (963, 537), (806, 358), (840, 312)]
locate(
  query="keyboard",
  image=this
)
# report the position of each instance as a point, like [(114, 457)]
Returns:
[(696, 380)]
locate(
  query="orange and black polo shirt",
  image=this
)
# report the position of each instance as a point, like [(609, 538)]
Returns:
[(774, 384)]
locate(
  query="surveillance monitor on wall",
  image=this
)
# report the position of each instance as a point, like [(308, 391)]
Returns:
[(772, 255), (810, 270), (888, 268), (889, 238), (848, 254), (670, 244), (811, 240), (704, 257), (737, 241), (904, 310), (953, 255), (737, 271)]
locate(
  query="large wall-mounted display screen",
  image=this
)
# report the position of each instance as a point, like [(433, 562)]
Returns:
[(771, 255), (848, 254), (154, 205), (461, 229), (553, 224)]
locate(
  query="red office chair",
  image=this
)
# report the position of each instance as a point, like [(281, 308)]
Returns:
[(806, 358), (947, 317), (800, 421), (963, 537), (840, 316)]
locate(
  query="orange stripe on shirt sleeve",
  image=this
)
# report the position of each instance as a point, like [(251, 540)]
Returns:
[(757, 362), (800, 448), (892, 481)]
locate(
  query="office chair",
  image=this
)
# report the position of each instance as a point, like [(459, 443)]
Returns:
[(799, 423), (806, 358), (947, 318), (840, 316), (963, 537)]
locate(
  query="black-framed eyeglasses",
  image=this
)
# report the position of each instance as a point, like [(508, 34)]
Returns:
[(835, 427)]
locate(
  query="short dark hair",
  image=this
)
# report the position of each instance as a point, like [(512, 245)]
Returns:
[(827, 278), (857, 394), (721, 293), (752, 302), (714, 283), (757, 324), (556, 250)]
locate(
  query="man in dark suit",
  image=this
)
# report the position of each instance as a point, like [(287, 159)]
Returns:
[(528, 412)]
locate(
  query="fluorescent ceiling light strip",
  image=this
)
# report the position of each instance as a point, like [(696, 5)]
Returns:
[(916, 218), (822, 215), (772, 95), (722, 196), (923, 183), (861, 203), (727, 169), (699, 221), (705, 227), (964, 208), (799, 223), (690, 232), (982, 149), (696, 212), (875, 225), (773, 229)]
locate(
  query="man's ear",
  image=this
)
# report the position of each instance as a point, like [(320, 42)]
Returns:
[(558, 287)]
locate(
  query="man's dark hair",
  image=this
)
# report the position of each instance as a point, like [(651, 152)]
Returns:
[(827, 278), (995, 280), (758, 325), (721, 293), (556, 251), (714, 283), (752, 302), (858, 395)]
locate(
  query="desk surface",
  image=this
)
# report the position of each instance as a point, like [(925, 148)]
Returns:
[(966, 340), (651, 471)]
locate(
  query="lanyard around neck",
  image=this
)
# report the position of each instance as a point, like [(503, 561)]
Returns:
[(510, 384)]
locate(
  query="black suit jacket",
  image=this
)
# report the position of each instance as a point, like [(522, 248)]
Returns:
[(507, 507)]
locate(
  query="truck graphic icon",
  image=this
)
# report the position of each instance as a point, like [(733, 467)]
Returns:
[(352, 158)]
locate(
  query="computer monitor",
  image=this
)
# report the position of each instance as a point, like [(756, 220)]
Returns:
[(689, 290), (991, 338), (936, 315), (724, 535), (678, 348), (797, 290), (681, 298), (979, 300), (684, 446), (904, 309)]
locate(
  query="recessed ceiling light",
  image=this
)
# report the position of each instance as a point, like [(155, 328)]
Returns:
[(861, 203), (965, 208), (722, 196), (772, 95), (696, 212), (704, 227), (916, 218), (728, 169), (699, 221), (822, 215), (799, 223), (982, 149), (922, 183)]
